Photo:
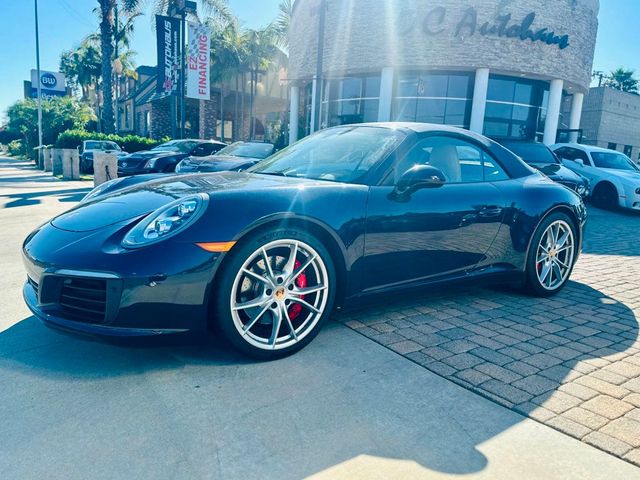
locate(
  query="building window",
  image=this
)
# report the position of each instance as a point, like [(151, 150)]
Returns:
[(516, 108), (350, 100), (441, 98), (628, 150), (612, 146)]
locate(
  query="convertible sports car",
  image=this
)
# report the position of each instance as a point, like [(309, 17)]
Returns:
[(265, 255)]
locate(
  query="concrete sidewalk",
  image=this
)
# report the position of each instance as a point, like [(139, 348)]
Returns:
[(167, 408)]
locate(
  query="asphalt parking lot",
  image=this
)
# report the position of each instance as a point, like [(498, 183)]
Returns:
[(432, 385)]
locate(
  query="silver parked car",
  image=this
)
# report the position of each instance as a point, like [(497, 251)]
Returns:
[(615, 179)]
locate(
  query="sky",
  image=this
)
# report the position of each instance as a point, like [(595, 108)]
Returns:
[(63, 24)]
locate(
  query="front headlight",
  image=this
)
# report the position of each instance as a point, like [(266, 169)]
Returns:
[(581, 189), (100, 189), (166, 221), (638, 191)]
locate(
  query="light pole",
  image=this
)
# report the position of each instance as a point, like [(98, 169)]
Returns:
[(39, 88)]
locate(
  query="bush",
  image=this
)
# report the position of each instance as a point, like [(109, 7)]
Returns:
[(16, 148), (58, 114), (129, 143)]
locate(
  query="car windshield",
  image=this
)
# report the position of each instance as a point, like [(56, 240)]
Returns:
[(532, 152), (341, 154), (96, 145), (176, 146), (617, 161), (248, 150)]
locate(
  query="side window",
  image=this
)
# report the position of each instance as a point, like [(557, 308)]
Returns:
[(200, 151), (579, 154), (459, 161), (565, 153)]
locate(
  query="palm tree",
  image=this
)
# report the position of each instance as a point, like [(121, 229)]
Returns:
[(106, 10), (261, 46), (227, 51), (624, 80), (282, 23), (82, 66)]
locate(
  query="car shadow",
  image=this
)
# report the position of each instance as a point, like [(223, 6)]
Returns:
[(337, 400), (28, 199)]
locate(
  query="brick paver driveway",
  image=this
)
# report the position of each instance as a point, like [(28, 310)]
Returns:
[(571, 362)]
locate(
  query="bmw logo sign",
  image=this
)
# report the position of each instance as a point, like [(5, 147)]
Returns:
[(48, 80)]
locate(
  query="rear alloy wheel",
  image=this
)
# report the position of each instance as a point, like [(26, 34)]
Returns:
[(552, 255), (278, 294)]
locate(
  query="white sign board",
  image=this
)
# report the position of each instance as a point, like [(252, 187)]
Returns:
[(198, 52), (51, 81)]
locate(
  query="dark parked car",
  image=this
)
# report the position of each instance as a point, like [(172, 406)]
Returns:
[(165, 157), (266, 254), (236, 157), (89, 147), (541, 157)]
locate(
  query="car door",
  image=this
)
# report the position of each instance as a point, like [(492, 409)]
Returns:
[(434, 231)]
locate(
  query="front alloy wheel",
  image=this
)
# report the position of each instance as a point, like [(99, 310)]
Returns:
[(281, 291)]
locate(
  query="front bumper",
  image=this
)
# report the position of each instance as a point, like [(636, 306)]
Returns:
[(77, 281), (631, 201)]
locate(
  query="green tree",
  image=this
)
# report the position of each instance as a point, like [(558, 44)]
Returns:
[(283, 22), (58, 114), (260, 49), (82, 67), (106, 12), (624, 80)]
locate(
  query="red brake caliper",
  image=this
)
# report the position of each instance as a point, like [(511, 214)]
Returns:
[(301, 282)]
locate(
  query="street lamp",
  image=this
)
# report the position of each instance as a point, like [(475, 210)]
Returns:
[(182, 8), (39, 87)]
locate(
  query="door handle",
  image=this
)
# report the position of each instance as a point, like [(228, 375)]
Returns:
[(489, 211)]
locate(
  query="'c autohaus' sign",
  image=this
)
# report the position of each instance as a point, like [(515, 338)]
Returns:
[(502, 26)]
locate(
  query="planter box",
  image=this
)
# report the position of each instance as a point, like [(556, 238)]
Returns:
[(56, 161), (105, 167), (47, 159), (70, 164)]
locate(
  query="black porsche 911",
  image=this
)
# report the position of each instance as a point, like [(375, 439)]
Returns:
[(265, 255)]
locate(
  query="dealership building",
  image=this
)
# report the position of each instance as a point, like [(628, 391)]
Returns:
[(505, 68)]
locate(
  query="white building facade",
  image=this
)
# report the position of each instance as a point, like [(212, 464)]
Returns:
[(498, 67)]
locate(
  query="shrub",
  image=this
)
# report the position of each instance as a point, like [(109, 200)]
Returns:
[(16, 148), (129, 143)]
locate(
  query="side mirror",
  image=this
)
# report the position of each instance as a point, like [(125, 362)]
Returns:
[(418, 177), (580, 162)]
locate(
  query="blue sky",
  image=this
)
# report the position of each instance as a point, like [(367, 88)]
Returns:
[(63, 24)]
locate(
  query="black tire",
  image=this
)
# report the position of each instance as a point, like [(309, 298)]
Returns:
[(533, 284), (605, 196), (223, 295)]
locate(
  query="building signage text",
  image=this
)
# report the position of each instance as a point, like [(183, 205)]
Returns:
[(503, 26)]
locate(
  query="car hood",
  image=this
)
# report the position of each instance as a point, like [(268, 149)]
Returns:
[(558, 172), (131, 203), (623, 174)]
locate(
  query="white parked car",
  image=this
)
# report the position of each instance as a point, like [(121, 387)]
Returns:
[(615, 179)]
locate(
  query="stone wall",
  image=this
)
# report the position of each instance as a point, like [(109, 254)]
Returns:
[(612, 116), (367, 35)]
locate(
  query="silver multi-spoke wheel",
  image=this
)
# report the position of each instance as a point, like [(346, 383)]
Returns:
[(555, 255), (279, 294)]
